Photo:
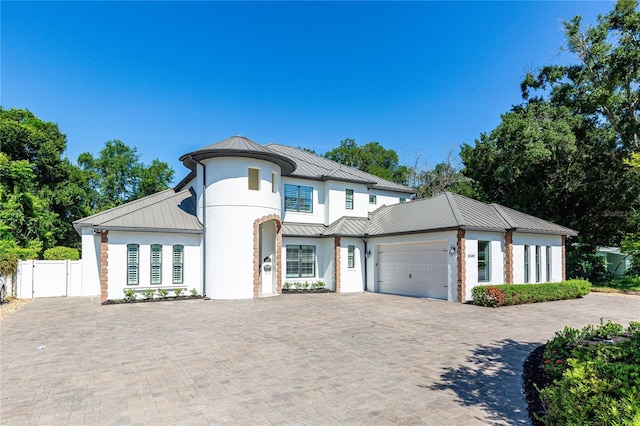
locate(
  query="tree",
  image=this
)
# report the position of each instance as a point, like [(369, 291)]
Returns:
[(561, 155), (117, 176), (445, 176), (371, 158)]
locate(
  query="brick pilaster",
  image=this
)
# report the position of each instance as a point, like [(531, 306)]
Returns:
[(336, 261), (104, 266), (462, 268), (508, 257)]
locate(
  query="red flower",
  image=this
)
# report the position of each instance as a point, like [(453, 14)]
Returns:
[(546, 361), (554, 352), (559, 361)]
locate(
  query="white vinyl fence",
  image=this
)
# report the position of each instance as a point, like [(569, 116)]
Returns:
[(49, 278)]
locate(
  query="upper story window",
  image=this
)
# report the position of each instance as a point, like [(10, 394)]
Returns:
[(133, 258), (274, 182), (351, 257), (373, 199), (156, 264), (178, 264), (483, 261), (254, 179), (298, 198), (348, 203)]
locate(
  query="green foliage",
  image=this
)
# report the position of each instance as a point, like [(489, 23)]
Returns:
[(163, 292), (518, 294), (117, 176), (628, 283), (596, 375), (61, 253), (129, 294), (194, 292), (583, 263), (11, 252), (287, 286), (371, 158), (178, 291), (317, 285), (149, 293), (302, 286)]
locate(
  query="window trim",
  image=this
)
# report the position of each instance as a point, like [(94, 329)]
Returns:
[(300, 261), (538, 265), (527, 272), (373, 199), (351, 256), (348, 199), (548, 262), (486, 261), (133, 266), (157, 265), (179, 264), (297, 200)]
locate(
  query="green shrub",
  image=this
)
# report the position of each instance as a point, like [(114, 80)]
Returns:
[(129, 294), (517, 294), (287, 286), (61, 253), (149, 293), (194, 292), (177, 291), (596, 376), (163, 292)]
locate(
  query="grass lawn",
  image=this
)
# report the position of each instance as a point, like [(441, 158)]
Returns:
[(621, 284)]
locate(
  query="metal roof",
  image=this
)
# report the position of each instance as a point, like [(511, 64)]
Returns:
[(348, 226), (165, 211), (302, 229), (313, 166), (238, 146), (453, 211)]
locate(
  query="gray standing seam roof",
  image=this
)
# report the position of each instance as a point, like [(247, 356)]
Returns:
[(165, 211)]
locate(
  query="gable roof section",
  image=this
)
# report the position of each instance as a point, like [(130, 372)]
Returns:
[(313, 166), (165, 211), (449, 211)]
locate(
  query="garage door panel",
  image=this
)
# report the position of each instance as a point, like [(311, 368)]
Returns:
[(419, 269)]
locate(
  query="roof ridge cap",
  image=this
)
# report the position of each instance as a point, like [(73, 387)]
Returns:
[(503, 215), (454, 208)]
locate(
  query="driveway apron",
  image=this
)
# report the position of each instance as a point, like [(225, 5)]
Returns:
[(293, 359)]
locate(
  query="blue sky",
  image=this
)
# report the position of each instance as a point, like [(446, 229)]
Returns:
[(169, 77)]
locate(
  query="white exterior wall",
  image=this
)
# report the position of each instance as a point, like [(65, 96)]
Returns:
[(335, 208), (385, 198), (451, 237), (351, 279), (319, 197), (324, 260), (90, 261), (117, 269), (231, 210), (533, 240), (496, 259)]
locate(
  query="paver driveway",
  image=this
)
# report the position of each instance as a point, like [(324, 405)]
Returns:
[(295, 359)]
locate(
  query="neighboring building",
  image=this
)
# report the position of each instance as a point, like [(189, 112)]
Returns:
[(617, 262), (249, 217)]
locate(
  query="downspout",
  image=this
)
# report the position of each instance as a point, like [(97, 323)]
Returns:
[(364, 240), (204, 225)]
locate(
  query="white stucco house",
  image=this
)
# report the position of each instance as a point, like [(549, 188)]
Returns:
[(248, 218)]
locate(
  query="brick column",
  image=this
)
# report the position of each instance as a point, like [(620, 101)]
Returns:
[(564, 258), (508, 257), (462, 269), (336, 262), (104, 265)]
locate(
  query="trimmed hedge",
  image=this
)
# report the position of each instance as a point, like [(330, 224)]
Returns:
[(518, 294), (61, 253)]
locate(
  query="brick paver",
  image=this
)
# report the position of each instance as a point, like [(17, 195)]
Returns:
[(295, 359)]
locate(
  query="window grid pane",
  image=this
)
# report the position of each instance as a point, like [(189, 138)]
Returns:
[(178, 261), (298, 198), (132, 264), (483, 261), (349, 199), (156, 264), (373, 199), (301, 261), (526, 264), (548, 263), (351, 257)]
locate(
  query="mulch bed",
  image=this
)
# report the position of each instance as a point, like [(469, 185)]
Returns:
[(533, 376), (160, 299)]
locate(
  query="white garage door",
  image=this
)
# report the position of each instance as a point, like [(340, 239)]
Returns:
[(414, 269)]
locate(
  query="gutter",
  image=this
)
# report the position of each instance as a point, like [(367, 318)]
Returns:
[(204, 225), (364, 240)]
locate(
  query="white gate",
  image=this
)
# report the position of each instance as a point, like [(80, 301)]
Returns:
[(49, 278)]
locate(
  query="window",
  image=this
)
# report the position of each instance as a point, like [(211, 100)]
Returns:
[(348, 203), (301, 261), (373, 199), (298, 198), (156, 264), (254, 179), (548, 259), (351, 257), (403, 200), (538, 265), (178, 264), (526, 264), (274, 182), (483, 261), (133, 256)]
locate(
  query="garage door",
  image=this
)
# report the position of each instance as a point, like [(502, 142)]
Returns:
[(414, 269)]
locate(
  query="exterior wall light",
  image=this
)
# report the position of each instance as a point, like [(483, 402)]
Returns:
[(452, 250)]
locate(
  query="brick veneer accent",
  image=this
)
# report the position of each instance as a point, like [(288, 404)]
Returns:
[(462, 268), (508, 257), (256, 253), (104, 265), (564, 258), (336, 262)]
